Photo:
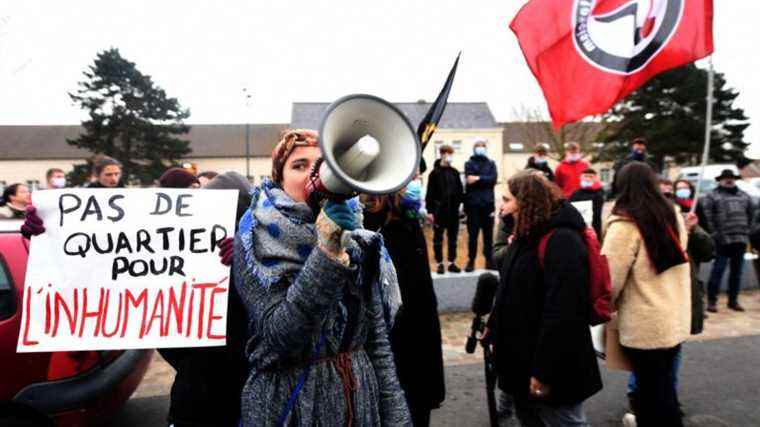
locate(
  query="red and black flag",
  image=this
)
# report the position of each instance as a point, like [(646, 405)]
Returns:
[(589, 54), (429, 123)]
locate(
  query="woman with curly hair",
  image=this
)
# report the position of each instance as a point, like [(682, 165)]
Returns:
[(539, 323)]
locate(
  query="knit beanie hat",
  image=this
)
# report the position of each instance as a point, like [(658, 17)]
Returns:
[(233, 181), (177, 178)]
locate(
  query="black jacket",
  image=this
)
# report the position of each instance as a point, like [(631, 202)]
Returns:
[(444, 194), (416, 334), (543, 167), (540, 316), (620, 164), (597, 201), (480, 193), (209, 381)]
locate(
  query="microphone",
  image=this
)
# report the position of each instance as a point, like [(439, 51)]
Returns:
[(484, 294), (481, 306)]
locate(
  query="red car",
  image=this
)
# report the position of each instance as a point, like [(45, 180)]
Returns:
[(73, 388)]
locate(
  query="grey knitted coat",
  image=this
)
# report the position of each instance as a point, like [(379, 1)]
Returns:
[(729, 214), (327, 320)]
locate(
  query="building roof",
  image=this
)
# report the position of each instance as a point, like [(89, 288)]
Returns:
[(215, 140), (458, 115), (521, 137)]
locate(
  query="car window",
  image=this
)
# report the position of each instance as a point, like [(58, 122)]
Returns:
[(7, 298)]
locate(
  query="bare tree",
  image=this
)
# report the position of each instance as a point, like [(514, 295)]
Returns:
[(533, 128)]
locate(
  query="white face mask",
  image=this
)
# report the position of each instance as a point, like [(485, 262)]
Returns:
[(448, 158), (58, 182), (480, 151)]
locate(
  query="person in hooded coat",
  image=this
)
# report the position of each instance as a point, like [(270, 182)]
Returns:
[(207, 386), (539, 161), (539, 323), (416, 334)]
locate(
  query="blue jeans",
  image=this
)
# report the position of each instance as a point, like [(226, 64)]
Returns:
[(532, 413), (676, 367), (733, 253)]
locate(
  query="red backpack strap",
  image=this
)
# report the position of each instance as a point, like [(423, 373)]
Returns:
[(542, 247)]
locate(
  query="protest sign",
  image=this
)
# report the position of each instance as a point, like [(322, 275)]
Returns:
[(586, 208), (127, 268)]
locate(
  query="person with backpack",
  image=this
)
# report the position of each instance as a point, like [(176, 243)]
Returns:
[(539, 325), (645, 242)]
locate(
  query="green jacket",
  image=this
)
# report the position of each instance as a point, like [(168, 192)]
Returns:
[(700, 249)]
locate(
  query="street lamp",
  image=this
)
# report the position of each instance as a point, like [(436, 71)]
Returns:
[(247, 135)]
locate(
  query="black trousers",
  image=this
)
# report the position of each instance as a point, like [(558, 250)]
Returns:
[(451, 227), (480, 218), (420, 415), (655, 397)]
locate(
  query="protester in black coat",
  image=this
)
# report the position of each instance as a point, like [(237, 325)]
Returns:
[(542, 343), (416, 334), (591, 190), (209, 381), (443, 198), (538, 161), (638, 154)]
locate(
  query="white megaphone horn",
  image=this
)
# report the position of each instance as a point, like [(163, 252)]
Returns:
[(368, 146)]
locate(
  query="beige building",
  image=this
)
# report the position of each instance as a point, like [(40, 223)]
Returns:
[(27, 152)]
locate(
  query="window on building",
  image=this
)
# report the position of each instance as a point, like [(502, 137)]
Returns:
[(457, 145), (516, 146), (33, 184)]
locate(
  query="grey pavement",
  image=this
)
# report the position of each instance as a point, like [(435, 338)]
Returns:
[(719, 386), (720, 381)]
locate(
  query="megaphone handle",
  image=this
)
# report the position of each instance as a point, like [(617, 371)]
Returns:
[(345, 238)]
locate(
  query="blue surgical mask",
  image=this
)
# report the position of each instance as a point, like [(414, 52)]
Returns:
[(539, 160), (480, 151), (683, 193), (586, 183), (411, 199)]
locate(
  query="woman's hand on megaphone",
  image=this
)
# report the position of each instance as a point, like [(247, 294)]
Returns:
[(334, 218)]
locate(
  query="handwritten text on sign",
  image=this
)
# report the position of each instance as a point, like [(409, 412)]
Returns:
[(127, 268)]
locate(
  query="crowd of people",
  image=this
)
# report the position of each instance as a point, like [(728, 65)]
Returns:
[(325, 329)]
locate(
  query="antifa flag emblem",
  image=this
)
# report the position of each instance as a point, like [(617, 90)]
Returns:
[(589, 54), (624, 39)]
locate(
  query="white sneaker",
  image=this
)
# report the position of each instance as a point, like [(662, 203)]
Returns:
[(629, 420)]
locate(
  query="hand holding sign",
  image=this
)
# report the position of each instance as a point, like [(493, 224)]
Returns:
[(133, 268)]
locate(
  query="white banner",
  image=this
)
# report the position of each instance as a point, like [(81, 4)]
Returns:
[(127, 268), (586, 208)]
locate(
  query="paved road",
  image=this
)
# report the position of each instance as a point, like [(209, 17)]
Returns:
[(720, 380)]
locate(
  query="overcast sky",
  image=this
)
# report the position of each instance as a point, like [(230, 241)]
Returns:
[(205, 53)]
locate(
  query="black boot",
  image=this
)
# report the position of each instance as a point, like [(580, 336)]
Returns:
[(440, 269), (470, 267)]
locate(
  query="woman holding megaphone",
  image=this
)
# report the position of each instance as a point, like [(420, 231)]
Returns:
[(319, 307)]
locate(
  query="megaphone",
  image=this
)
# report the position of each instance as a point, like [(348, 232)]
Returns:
[(368, 146)]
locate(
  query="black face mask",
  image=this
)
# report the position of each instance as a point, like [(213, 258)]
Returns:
[(373, 221)]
